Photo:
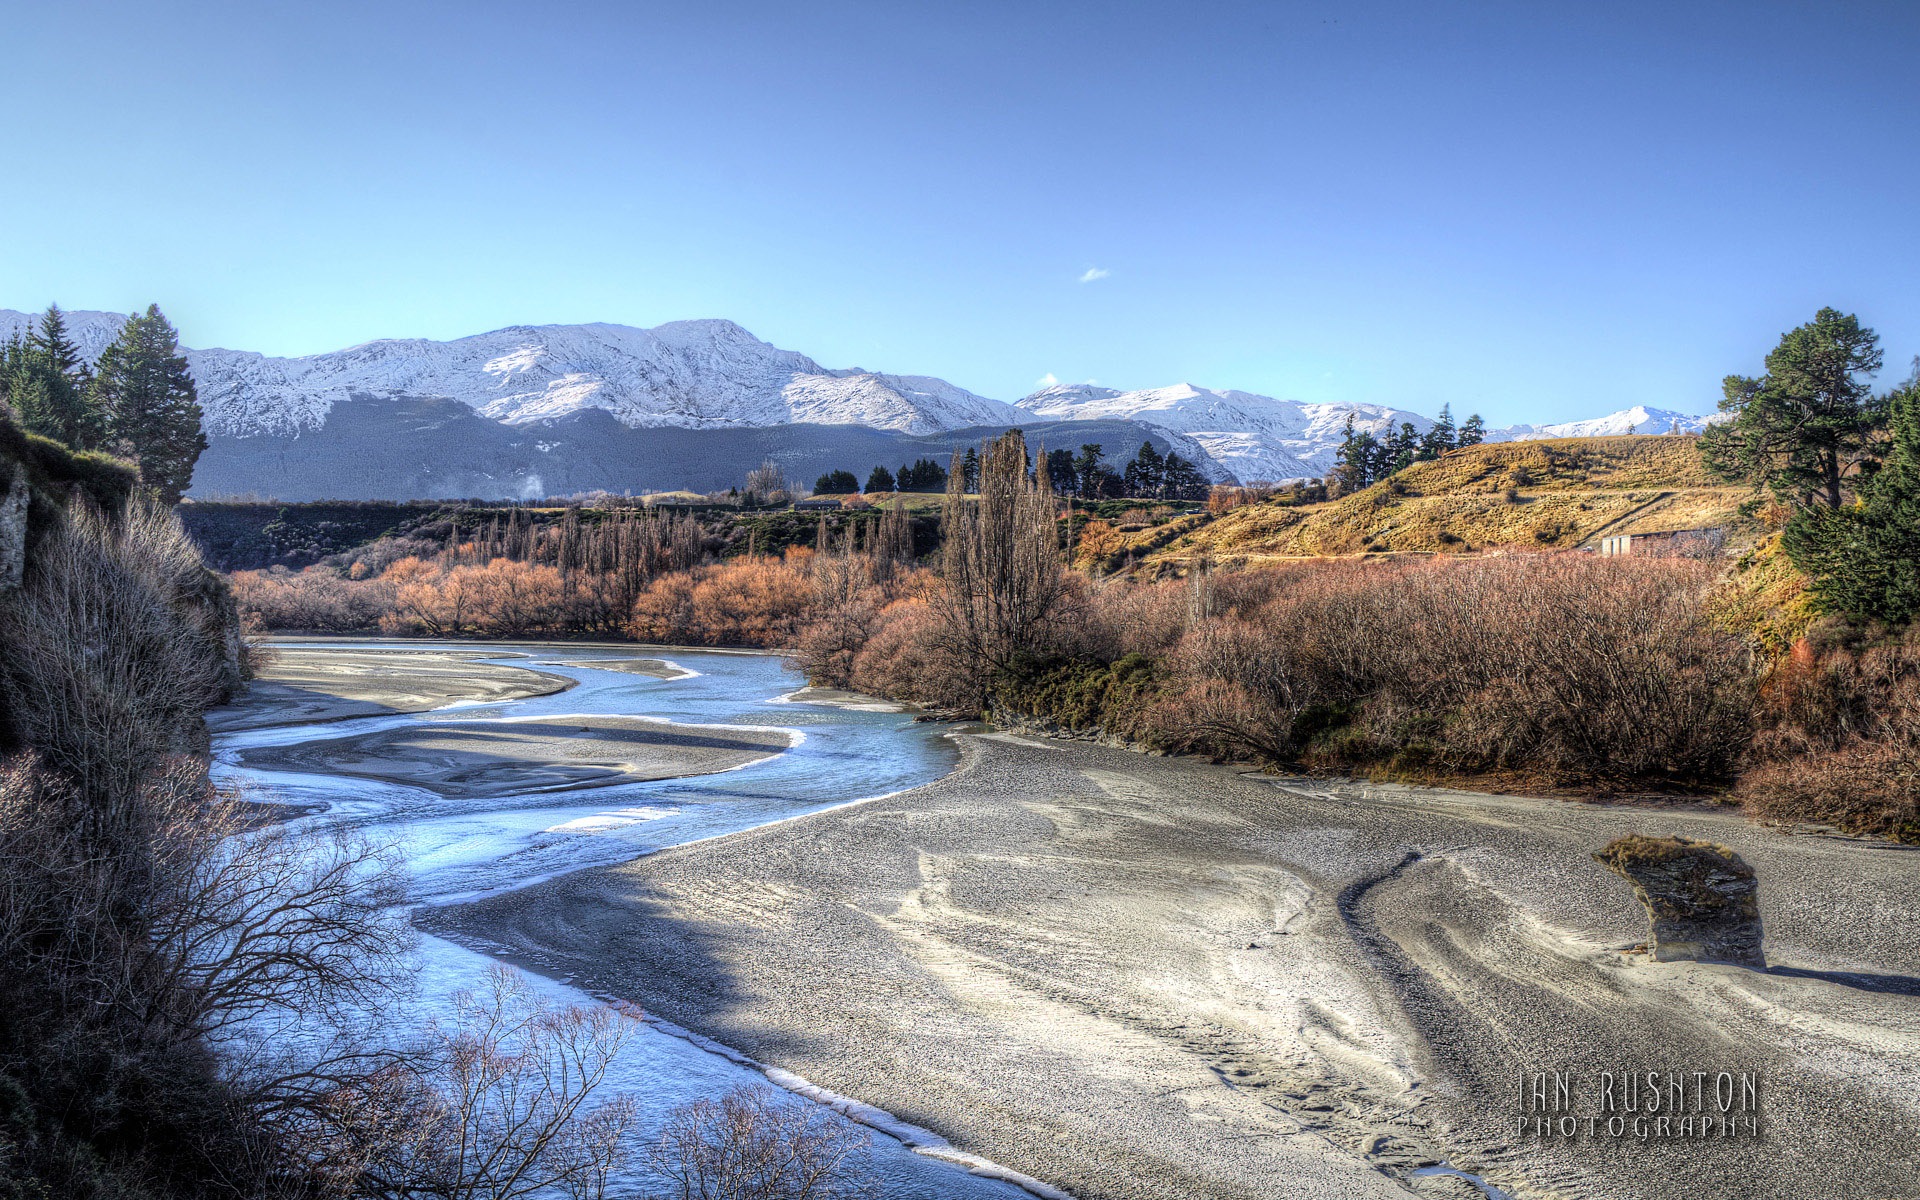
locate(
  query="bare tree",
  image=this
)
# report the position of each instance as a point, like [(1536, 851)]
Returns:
[(1003, 578), (753, 1145), (497, 1104)]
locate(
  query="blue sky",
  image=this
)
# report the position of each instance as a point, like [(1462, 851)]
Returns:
[(1538, 210)]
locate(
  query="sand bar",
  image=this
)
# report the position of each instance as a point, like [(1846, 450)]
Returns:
[(300, 685), (518, 755), (656, 668), (1137, 977)]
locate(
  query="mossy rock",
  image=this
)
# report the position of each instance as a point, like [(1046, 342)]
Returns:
[(1702, 899)]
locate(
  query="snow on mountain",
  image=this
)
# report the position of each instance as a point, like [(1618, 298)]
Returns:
[(1638, 419), (91, 331), (1254, 437), (692, 374), (712, 374)]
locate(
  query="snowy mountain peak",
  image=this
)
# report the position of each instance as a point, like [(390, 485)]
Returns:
[(714, 374), (697, 374), (1255, 437), (1638, 419)]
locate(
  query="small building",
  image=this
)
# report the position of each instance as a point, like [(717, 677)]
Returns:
[(1669, 543), (817, 504)]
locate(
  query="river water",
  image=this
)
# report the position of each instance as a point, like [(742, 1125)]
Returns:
[(458, 849)]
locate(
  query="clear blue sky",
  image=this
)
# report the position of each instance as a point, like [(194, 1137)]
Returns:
[(1540, 210)]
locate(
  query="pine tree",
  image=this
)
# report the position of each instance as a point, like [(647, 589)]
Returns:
[(142, 387), (1354, 462), (1146, 474), (1472, 432), (836, 483), (1441, 438), (1086, 470), (970, 470), (1865, 558), (45, 379), (880, 480), (1811, 424), (1181, 480), (1060, 472)]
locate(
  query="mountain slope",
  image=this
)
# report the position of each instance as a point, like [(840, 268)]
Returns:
[(693, 374), (263, 411), (1255, 437), (1537, 493)]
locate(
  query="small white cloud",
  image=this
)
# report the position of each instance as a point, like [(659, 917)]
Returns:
[(1093, 273), (1048, 380)]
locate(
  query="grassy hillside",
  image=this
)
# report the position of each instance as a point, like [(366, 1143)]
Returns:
[(1561, 493)]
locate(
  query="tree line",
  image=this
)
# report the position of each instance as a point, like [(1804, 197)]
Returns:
[(1364, 459), (1150, 475), (137, 401)]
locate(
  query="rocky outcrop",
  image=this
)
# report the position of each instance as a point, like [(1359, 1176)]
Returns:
[(13, 531), (1701, 898)]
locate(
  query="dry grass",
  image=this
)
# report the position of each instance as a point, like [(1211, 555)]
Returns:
[(1552, 494)]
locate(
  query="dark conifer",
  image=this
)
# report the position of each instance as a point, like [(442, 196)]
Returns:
[(142, 389)]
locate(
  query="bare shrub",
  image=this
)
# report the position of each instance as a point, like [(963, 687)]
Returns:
[(314, 599), (909, 658), (1560, 664), (755, 600), (500, 1103), (106, 671), (1839, 742), (751, 1144)]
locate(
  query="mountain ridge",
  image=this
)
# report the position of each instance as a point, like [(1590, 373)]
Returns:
[(712, 373)]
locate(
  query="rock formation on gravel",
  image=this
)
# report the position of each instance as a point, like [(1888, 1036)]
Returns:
[(1701, 898)]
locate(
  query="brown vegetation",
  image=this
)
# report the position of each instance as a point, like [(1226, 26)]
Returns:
[(1539, 494), (752, 1144), (1839, 742)]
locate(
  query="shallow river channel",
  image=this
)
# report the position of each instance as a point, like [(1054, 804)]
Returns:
[(460, 848)]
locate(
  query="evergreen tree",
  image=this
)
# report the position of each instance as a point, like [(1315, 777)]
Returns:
[(923, 475), (1354, 462), (1060, 471), (1146, 474), (1403, 447), (970, 470), (1183, 481), (1473, 431), (1442, 437), (1811, 424), (48, 384), (142, 386), (880, 480), (836, 483), (1865, 558), (1086, 470)]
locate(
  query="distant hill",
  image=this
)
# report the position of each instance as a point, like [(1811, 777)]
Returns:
[(505, 414), (435, 449), (1564, 493)]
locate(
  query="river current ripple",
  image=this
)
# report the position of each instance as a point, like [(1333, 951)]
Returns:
[(457, 849)]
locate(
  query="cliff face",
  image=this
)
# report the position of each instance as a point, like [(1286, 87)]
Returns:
[(45, 489)]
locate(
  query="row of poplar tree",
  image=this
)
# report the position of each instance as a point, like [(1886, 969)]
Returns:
[(137, 400)]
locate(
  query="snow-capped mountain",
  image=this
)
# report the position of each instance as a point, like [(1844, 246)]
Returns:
[(1254, 437), (541, 404), (691, 374), (1638, 419), (91, 331)]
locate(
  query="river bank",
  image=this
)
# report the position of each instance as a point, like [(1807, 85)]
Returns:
[(1140, 977)]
